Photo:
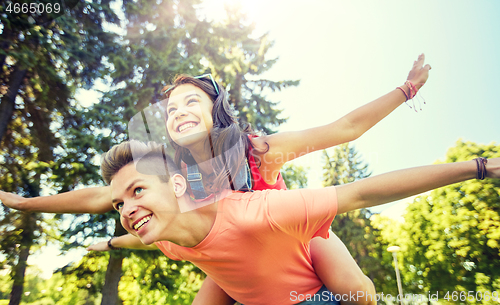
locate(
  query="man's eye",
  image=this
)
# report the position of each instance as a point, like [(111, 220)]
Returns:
[(119, 206), (138, 190)]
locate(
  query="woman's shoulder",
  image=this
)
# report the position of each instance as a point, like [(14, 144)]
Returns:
[(259, 143)]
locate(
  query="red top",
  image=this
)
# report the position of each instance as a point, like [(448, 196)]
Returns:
[(258, 183)]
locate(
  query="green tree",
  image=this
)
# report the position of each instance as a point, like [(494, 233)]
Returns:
[(41, 67), (295, 176), (42, 64), (22, 172), (387, 233), (151, 278), (451, 236), (238, 58)]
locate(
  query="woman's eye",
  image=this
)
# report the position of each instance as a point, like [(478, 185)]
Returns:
[(119, 206), (191, 101), (138, 190), (171, 110)]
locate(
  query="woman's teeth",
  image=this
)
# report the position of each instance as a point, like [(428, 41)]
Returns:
[(143, 221), (186, 126)]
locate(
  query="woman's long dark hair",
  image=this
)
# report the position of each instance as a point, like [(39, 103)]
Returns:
[(225, 134)]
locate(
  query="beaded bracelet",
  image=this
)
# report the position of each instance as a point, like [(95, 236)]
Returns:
[(481, 167), (413, 89), (404, 92), (411, 95)]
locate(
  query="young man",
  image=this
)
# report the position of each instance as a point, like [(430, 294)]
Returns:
[(254, 245)]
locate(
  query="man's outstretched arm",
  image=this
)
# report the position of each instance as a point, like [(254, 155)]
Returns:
[(404, 183), (93, 200), (127, 241)]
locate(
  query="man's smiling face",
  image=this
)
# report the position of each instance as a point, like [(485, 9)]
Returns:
[(147, 205)]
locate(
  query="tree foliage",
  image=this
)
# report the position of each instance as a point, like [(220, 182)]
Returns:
[(450, 238), (238, 59), (41, 66), (295, 176)]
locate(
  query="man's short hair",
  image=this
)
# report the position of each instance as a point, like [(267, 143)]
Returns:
[(149, 158)]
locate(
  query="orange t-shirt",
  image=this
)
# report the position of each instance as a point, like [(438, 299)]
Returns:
[(258, 247)]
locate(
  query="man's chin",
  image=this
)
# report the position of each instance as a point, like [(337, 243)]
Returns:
[(144, 240), (147, 241)]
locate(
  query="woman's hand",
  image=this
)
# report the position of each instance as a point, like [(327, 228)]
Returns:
[(101, 246), (12, 200), (419, 73)]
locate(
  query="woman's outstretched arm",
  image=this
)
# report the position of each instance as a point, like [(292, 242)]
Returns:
[(286, 146)]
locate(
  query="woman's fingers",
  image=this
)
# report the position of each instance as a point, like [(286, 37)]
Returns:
[(417, 64), (419, 73)]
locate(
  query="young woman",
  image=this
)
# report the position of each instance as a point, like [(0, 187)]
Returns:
[(202, 110)]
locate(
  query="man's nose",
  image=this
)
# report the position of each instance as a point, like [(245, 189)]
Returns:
[(128, 209)]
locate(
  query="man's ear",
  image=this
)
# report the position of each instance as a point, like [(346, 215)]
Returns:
[(179, 184)]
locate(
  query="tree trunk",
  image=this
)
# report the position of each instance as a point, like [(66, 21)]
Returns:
[(113, 273), (8, 102), (20, 269)]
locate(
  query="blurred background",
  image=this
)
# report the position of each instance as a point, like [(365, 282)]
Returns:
[(71, 82)]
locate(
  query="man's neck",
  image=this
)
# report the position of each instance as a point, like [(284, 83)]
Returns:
[(194, 226)]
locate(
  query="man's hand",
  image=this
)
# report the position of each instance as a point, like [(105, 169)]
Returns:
[(93, 200), (101, 246), (12, 200)]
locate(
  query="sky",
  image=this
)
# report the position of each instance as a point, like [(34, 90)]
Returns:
[(348, 53)]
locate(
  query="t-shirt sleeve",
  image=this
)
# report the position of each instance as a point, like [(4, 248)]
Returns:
[(304, 213), (166, 248)]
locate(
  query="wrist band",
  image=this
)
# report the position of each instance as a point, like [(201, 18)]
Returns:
[(481, 168), (413, 89), (404, 92), (411, 95), (110, 245)]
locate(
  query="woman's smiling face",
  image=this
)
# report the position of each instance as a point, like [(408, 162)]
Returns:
[(189, 115)]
